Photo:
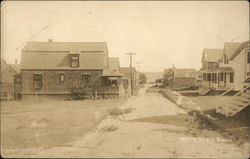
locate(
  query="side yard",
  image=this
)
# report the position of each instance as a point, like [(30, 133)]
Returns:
[(26, 124)]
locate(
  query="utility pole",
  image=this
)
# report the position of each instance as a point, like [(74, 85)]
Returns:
[(131, 72)]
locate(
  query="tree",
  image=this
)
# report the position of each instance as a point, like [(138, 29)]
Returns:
[(142, 78)]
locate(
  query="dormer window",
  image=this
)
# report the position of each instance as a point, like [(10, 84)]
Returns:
[(74, 60)]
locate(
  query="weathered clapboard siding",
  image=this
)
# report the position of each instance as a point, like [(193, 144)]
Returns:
[(51, 83)]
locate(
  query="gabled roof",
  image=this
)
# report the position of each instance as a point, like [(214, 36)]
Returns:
[(65, 46), (7, 75), (240, 48), (184, 73), (211, 55), (109, 73), (16, 67), (230, 48), (47, 55), (114, 64)]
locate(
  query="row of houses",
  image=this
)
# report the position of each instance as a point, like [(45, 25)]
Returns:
[(226, 68), (57, 68), (222, 69)]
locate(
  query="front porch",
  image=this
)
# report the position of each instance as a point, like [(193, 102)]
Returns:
[(218, 78), (112, 85)]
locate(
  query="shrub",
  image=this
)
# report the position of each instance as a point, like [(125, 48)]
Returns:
[(109, 128), (115, 111), (78, 93)]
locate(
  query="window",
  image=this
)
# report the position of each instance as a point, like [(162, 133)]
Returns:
[(86, 79), (61, 78), (214, 77), (74, 60), (221, 76), (231, 79), (248, 56), (109, 82), (204, 76), (209, 77), (199, 76), (37, 81), (17, 79)]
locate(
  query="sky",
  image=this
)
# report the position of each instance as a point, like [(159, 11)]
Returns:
[(161, 33)]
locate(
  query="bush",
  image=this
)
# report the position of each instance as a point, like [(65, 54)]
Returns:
[(109, 128), (143, 78), (115, 111), (82, 93), (119, 111)]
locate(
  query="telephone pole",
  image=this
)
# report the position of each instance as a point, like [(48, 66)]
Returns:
[(131, 71)]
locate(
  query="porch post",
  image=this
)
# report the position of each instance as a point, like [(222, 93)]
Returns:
[(218, 79)]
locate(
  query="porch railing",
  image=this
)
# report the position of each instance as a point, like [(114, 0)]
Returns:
[(234, 87), (241, 91)]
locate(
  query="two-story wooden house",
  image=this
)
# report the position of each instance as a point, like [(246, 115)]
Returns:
[(179, 77), (209, 61), (236, 57), (55, 68)]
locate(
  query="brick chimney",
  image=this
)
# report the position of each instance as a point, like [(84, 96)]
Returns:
[(15, 61), (50, 40)]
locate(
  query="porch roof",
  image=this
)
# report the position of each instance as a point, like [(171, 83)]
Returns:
[(220, 69), (111, 74)]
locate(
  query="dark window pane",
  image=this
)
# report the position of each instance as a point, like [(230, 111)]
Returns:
[(37, 81), (221, 76), (231, 78), (86, 79), (248, 56)]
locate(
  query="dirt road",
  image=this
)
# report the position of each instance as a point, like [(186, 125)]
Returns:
[(155, 128)]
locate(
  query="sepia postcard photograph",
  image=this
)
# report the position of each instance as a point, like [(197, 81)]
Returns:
[(125, 79)]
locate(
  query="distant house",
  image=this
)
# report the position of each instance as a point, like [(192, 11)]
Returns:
[(231, 68), (199, 78), (127, 77), (114, 64), (177, 78), (8, 71), (57, 68)]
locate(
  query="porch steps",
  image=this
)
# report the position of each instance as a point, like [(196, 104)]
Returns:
[(203, 91), (237, 104)]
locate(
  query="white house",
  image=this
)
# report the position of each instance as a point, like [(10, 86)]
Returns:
[(236, 57), (226, 68)]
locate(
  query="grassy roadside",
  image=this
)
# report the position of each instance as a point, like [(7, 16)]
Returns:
[(26, 124), (236, 128)]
